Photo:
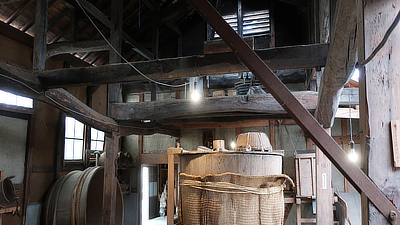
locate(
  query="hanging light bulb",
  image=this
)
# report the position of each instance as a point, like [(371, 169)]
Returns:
[(352, 147), (352, 152), (195, 95), (233, 145)]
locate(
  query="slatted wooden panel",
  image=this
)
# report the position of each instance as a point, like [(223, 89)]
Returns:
[(305, 174)]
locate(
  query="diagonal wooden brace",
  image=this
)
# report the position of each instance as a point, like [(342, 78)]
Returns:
[(294, 108)]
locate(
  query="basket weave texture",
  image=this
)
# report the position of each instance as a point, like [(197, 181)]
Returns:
[(231, 198)]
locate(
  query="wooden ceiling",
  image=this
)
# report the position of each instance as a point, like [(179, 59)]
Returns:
[(66, 22)]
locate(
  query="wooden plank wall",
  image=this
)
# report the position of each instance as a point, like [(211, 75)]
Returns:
[(381, 86)]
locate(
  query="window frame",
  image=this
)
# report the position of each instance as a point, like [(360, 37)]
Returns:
[(85, 160)]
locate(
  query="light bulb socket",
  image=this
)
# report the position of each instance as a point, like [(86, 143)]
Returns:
[(352, 146)]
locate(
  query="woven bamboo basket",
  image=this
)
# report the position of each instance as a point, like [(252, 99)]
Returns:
[(231, 198)]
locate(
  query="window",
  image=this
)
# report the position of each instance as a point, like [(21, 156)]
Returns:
[(254, 23), (11, 99), (96, 139), (73, 148), (75, 139)]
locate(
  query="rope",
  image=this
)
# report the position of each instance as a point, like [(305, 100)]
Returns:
[(230, 188)]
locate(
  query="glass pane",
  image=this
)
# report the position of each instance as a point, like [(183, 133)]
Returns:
[(8, 98), (96, 135), (78, 129), (100, 136), (92, 145), (96, 145), (24, 102), (69, 149), (93, 134), (69, 127), (78, 146)]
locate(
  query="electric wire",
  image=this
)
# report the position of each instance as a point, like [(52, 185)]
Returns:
[(382, 43), (351, 127), (123, 58)]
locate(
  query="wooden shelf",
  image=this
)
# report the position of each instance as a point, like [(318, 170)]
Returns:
[(9, 210)]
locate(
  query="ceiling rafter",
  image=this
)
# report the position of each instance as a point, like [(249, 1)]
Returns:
[(18, 12), (32, 21)]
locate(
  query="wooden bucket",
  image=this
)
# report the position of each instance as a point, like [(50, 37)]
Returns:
[(253, 141), (77, 199), (7, 194), (247, 163)]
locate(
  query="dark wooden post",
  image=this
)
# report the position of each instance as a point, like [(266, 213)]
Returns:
[(112, 141), (40, 31), (110, 179)]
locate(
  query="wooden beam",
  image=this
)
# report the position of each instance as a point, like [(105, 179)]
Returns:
[(137, 47), (65, 101), (340, 62), (110, 179), (59, 17), (305, 120), (155, 8), (72, 60), (4, 2), (160, 110), (76, 46), (255, 123), (40, 39), (15, 34), (104, 19), (18, 81), (17, 12), (152, 159), (294, 57)]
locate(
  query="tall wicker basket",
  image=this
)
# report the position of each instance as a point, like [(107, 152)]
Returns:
[(231, 198)]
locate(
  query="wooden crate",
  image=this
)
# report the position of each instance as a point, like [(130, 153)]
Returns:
[(219, 93), (232, 92), (305, 174)]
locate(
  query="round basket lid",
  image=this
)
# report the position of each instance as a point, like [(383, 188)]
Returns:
[(253, 141)]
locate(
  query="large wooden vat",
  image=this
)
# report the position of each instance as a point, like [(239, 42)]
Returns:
[(246, 163), (77, 199), (240, 188)]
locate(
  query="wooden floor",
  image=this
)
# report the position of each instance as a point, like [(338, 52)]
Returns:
[(156, 221)]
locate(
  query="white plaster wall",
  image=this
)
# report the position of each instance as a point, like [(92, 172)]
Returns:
[(13, 134)]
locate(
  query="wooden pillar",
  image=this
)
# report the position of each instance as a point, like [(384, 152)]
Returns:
[(40, 31), (380, 103), (272, 133), (346, 149), (112, 140), (239, 18), (114, 90), (272, 22), (139, 175), (171, 181), (324, 188), (1, 178), (110, 179), (364, 124)]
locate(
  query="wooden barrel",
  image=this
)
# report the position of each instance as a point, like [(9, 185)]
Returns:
[(253, 141), (247, 163), (77, 199)]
